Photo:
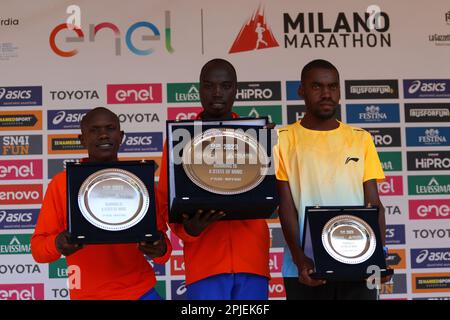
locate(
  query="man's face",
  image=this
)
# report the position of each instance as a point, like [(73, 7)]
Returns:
[(321, 91), (102, 137), (217, 91)]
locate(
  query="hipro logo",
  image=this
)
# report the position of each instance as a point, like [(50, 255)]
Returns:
[(154, 35), (255, 34)]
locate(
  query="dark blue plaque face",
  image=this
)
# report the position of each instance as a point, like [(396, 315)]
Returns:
[(111, 202)]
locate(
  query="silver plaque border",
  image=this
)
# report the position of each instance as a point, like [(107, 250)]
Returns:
[(131, 178), (359, 223), (225, 132)]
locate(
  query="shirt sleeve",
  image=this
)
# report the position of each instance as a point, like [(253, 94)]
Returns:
[(372, 164), (161, 222), (280, 169), (50, 222), (163, 200)]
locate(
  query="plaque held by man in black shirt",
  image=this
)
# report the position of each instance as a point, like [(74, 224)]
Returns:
[(344, 242)]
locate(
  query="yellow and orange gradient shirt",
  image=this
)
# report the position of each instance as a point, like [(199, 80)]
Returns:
[(324, 168)]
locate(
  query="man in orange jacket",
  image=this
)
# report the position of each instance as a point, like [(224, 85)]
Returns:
[(106, 271), (224, 260)]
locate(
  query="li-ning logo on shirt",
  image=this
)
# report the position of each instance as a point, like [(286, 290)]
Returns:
[(351, 159)]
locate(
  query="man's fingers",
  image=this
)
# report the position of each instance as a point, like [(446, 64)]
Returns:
[(207, 215), (213, 215), (306, 279)]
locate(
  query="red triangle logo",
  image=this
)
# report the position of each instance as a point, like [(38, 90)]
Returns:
[(254, 35)]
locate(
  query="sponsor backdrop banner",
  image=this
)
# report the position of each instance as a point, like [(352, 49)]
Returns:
[(143, 62)]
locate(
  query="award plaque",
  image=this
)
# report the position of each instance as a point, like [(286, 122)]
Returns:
[(343, 242), (111, 202), (221, 165), (227, 178)]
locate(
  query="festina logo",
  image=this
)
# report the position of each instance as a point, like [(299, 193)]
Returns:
[(373, 113), (432, 136)]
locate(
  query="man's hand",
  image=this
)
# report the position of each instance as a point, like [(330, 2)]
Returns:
[(63, 245), (154, 249), (386, 278), (305, 267), (200, 220)]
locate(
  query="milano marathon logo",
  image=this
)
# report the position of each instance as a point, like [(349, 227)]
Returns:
[(255, 34)]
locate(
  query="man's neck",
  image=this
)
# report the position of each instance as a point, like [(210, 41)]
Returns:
[(314, 123), (100, 160), (206, 116)]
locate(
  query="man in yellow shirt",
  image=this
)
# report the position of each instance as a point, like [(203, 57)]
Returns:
[(321, 160)]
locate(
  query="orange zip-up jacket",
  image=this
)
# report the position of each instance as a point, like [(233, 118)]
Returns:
[(107, 271), (229, 246)]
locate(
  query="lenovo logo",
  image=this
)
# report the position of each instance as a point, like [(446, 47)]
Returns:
[(20, 194)]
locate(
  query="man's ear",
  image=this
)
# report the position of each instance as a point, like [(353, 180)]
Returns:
[(122, 133), (81, 137)]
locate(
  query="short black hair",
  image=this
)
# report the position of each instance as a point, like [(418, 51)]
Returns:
[(91, 113), (317, 64), (219, 61)]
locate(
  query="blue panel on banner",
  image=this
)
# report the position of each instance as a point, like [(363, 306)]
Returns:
[(178, 289), (18, 218), (142, 142), (65, 119), (291, 90), (373, 113), (21, 96), (430, 258), (426, 88), (395, 234), (428, 136)]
